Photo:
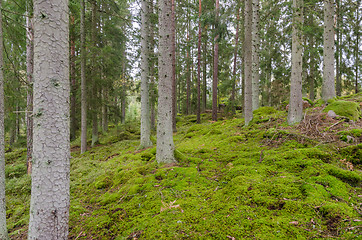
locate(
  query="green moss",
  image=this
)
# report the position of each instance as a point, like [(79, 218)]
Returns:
[(347, 109), (345, 175)]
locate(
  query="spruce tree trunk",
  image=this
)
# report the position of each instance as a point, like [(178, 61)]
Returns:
[(216, 65), (188, 73), (295, 113), (174, 90), (73, 120), (83, 146), (338, 56), (356, 50), (152, 73), (145, 57), (165, 145), (312, 69), (328, 87), (232, 98), (255, 54), (204, 92), (3, 228), (95, 136), (198, 112), (105, 111), (248, 100), (49, 206), (29, 98)]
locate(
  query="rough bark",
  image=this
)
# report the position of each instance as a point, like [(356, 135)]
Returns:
[(83, 83), (105, 111), (338, 56), (123, 93), (216, 65), (255, 54), (295, 113), (204, 92), (145, 57), (49, 206), (174, 90), (29, 97), (328, 87), (165, 144), (3, 229), (188, 73), (248, 100), (198, 111), (356, 49), (152, 73)]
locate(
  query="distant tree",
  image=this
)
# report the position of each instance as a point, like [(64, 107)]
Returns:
[(165, 144), (216, 64), (255, 53), (83, 83), (49, 206), (248, 104), (198, 109)]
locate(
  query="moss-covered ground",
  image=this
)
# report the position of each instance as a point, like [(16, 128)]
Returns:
[(264, 181)]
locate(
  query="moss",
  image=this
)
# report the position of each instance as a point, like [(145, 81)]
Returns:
[(264, 111), (352, 153), (345, 175), (309, 101), (347, 109)]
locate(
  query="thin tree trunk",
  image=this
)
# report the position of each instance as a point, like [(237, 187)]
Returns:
[(3, 228), (83, 145), (235, 58), (338, 75), (328, 87), (152, 72), (165, 144), (204, 92), (50, 197), (188, 74), (255, 54), (198, 112), (29, 98), (123, 92), (357, 56), (105, 111), (95, 136), (73, 120), (145, 57), (216, 65), (248, 104), (174, 91), (295, 113), (312, 66)]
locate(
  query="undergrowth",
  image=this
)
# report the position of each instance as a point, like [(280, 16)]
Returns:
[(264, 181)]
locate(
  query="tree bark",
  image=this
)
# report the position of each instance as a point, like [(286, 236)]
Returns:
[(73, 120), (295, 113), (95, 136), (29, 98), (49, 206), (204, 92), (145, 57), (216, 64), (165, 144), (174, 90), (248, 100), (3, 228), (328, 87), (356, 50), (255, 54), (83, 145), (198, 112), (338, 56), (232, 98)]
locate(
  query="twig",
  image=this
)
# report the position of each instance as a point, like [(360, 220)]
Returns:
[(78, 235)]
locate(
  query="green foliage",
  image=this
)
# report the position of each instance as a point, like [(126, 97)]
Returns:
[(347, 109)]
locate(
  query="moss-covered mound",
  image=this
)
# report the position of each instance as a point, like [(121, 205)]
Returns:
[(263, 181), (347, 109)]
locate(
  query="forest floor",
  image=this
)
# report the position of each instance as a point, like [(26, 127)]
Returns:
[(265, 181)]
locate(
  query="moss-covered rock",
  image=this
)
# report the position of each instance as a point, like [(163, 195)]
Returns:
[(347, 109)]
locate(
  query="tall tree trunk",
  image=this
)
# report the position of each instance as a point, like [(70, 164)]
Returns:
[(216, 65), (312, 66), (248, 100), (145, 57), (95, 136), (255, 54), (204, 92), (188, 73), (49, 206), (198, 111), (83, 145), (3, 229), (356, 50), (165, 144), (338, 56), (232, 98), (152, 72), (328, 87), (173, 39), (105, 111), (295, 113), (29, 98), (73, 120), (123, 92)]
